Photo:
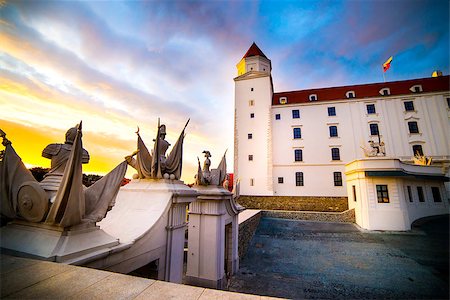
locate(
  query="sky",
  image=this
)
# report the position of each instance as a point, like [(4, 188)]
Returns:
[(117, 65)]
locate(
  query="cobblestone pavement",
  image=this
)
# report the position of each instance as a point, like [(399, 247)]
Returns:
[(305, 259)]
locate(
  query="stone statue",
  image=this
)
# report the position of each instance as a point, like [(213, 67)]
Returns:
[(376, 149), (155, 164), (59, 154), (60, 199), (215, 176), (422, 160)]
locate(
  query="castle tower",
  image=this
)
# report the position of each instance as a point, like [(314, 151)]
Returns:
[(252, 131)]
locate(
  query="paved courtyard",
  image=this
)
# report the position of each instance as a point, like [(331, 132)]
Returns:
[(304, 259)]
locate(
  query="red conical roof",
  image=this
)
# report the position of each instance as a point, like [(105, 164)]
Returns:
[(254, 51)]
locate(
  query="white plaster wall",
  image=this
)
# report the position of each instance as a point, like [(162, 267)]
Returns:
[(260, 169), (416, 209), (399, 213), (353, 122)]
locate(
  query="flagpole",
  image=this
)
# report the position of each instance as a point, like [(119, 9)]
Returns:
[(384, 77)]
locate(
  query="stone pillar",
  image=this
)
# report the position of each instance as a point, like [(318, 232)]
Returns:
[(206, 243), (176, 228)]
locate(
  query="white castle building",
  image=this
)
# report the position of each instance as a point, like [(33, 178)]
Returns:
[(298, 143)]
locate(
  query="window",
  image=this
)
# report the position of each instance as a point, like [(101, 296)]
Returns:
[(413, 128), (251, 102), (448, 103), (371, 109), (295, 114), (382, 193), (420, 194), (252, 182), (297, 133), (333, 131), (298, 155), (312, 97), (277, 117), (331, 111), (280, 179), (410, 198), (374, 129), (299, 178), (436, 194), (385, 92), (250, 136), (416, 88), (409, 105), (350, 94), (354, 192), (335, 154), (252, 115), (283, 100), (337, 178), (417, 150), (251, 89), (250, 157)]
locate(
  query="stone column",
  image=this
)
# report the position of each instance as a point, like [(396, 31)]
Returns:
[(206, 243), (176, 227)]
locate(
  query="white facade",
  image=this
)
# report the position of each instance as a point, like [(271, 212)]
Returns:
[(272, 172), (253, 156), (402, 184)]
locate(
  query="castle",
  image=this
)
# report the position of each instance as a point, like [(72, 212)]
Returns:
[(297, 143)]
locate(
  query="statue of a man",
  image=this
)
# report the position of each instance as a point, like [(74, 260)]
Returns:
[(59, 154), (163, 146)]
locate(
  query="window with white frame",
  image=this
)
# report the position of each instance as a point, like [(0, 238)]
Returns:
[(416, 88), (313, 97), (350, 94), (385, 92)]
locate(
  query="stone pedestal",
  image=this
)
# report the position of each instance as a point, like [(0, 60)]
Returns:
[(52, 243), (213, 238)]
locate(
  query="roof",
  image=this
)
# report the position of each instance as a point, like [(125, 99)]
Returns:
[(254, 51), (432, 84)]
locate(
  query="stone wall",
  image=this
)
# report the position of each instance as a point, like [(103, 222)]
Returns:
[(295, 203), (246, 231), (347, 216)]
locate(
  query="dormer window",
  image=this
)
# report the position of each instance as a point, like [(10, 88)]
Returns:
[(283, 100), (385, 92), (416, 88), (313, 97), (350, 94)]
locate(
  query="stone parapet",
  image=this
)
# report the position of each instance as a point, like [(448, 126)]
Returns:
[(247, 229), (347, 216), (295, 203)]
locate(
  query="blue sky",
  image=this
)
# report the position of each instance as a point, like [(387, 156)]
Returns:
[(117, 65)]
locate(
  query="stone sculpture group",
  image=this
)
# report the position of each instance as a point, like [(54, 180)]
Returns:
[(60, 199)]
